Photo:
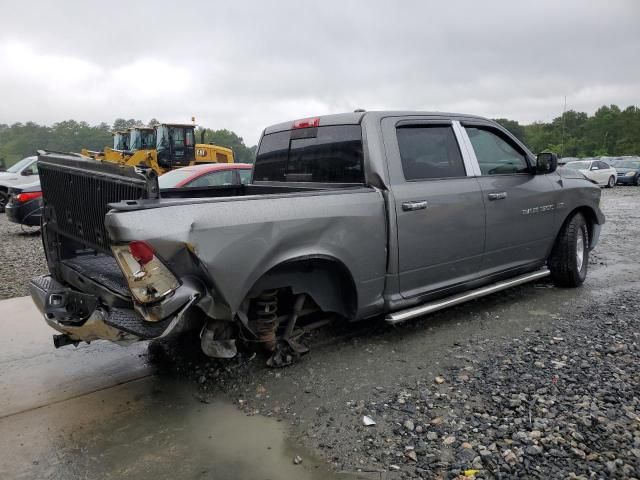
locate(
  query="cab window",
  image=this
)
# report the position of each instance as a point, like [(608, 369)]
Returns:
[(496, 156), (429, 152)]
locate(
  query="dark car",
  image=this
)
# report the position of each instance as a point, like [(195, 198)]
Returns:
[(25, 204), (628, 171)]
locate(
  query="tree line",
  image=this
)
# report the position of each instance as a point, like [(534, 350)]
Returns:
[(610, 131), (20, 140)]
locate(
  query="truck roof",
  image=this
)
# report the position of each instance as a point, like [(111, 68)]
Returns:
[(353, 118)]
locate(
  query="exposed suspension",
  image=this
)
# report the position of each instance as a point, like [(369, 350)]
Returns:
[(267, 317)]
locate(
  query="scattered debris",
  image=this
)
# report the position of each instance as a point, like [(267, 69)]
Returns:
[(368, 421)]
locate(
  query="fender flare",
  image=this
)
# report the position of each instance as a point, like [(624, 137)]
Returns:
[(590, 216)]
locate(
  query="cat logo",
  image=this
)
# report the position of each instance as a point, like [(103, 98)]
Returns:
[(201, 152)]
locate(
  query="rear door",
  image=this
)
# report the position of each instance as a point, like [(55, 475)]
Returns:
[(438, 205), (520, 205)]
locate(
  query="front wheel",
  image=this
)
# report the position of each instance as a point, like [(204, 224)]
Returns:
[(569, 258), (611, 182), (638, 180)]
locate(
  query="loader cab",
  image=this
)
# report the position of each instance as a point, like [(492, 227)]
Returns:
[(121, 140), (175, 144), (142, 138)]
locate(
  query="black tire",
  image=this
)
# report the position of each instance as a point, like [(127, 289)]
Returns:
[(611, 182), (4, 198), (638, 180), (566, 269)]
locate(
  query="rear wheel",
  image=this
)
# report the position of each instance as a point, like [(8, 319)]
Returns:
[(611, 182), (569, 258)]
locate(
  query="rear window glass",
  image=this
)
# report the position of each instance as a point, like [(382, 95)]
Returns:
[(331, 154)]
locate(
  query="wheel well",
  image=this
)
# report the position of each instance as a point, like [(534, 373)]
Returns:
[(326, 280)]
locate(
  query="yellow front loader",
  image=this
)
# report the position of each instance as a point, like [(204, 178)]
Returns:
[(163, 147)]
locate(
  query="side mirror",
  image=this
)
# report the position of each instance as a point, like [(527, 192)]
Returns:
[(26, 172), (595, 168), (546, 162)]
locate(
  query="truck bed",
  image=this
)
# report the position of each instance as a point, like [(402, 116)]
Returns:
[(100, 268)]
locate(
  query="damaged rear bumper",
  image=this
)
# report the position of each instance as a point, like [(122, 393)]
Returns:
[(81, 317)]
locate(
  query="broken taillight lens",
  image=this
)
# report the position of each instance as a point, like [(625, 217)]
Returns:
[(148, 277), (141, 251)]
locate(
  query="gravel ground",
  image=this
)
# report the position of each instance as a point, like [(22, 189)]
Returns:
[(21, 257), (560, 404)]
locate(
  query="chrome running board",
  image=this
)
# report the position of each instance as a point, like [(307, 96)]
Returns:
[(425, 308)]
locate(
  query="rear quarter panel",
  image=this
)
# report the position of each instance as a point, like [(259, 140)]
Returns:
[(238, 240)]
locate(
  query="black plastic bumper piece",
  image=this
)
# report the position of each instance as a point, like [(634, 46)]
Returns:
[(129, 321)]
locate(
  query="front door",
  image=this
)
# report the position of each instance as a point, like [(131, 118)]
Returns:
[(520, 206), (439, 207)]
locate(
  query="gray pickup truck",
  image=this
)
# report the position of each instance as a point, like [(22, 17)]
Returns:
[(349, 216)]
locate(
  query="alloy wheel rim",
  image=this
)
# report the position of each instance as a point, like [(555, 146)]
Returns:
[(580, 250)]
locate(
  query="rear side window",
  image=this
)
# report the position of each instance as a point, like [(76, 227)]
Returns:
[(331, 154), (245, 176), (429, 151)]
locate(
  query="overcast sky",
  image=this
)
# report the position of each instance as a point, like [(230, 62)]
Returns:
[(244, 65)]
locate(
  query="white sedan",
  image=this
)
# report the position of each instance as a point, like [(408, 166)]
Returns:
[(600, 172)]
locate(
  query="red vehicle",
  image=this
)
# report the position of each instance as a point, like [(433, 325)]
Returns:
[(207, 175)]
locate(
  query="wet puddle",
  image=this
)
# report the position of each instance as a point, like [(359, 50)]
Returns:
[(149, 429)]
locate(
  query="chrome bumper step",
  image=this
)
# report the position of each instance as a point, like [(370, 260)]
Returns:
[(430, 307)]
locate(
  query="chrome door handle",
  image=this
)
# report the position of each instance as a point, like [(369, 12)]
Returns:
[(498, 196), (410, 206)]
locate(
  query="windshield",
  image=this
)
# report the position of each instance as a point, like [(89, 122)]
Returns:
[(628, 164), (15, 168), (578, 165), (142, 139), (120, 141), (162, 138), (173, 178)]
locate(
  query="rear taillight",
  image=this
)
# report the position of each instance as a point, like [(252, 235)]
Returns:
[(25, 197), (142, 252), (148, 278), (307, 123)]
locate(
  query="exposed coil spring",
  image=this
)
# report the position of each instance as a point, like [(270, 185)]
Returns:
[(267, 313)]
